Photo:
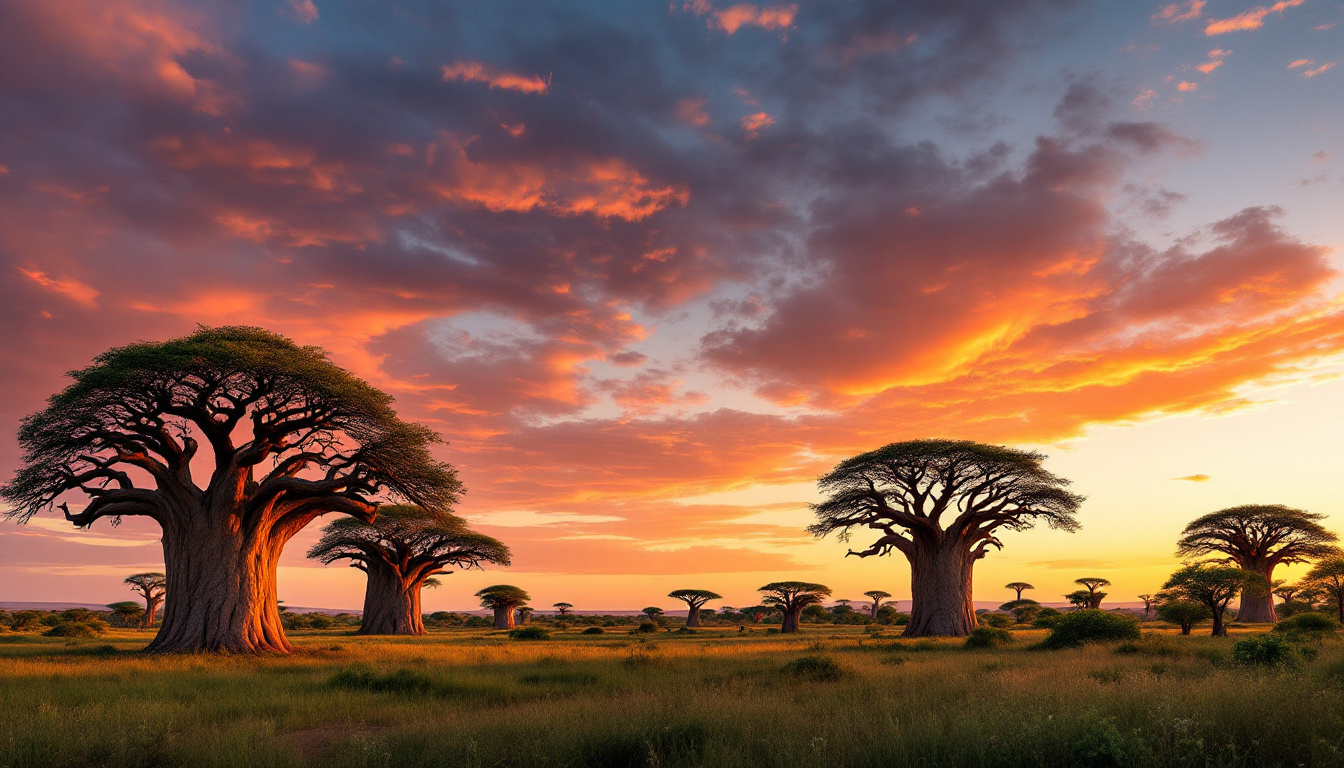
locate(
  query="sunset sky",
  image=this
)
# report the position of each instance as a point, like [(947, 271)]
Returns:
[(652, 268)]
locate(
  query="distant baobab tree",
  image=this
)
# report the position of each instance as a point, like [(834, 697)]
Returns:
[(152, 587), (695, 600), (1019, 587), (255, 399), (941, 503), (1079, 598), (653, 612), (1213, 586), (1147, 603), (400, 552), (791, 597), (1258, 538), (1093, 585), (877, 596), (503, 600), (1287, 591), (1327, 579), (524, 613), (563, 609)]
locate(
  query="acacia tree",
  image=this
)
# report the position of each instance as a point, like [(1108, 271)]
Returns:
[(128, 613), (877, 596), (942, 504), (1258, 538), (695, 599), (1212, 586), (1093, 585), (652, 612), (126, 434), (1019, 587), (503, 599), (791, 597), (152, 587), (563, 608), (1079, 598), (401, 551), (1326, 578), (1183, 613), (1147, 603)]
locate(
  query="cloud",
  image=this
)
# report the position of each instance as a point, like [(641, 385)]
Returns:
[(1178, 12), (1248, 20), (1187, 87), (304, 11), (1200, 478), (1216, 58), (70, 288), (737, 16), (1299, 63), (1327, 66), (753, 124), (476, 72)]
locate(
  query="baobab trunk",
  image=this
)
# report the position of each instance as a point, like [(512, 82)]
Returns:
[(223, 582), (693, 616), (790, 623), (504, 618), (1258, 608), (391, 606), (151, 613), (940, 583)]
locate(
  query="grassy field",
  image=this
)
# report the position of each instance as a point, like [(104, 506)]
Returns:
[(476, 698)]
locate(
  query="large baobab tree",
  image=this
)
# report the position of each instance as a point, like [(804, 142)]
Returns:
[(1019, 587), (1093, 585), (1259, 538), (1326, 578), (877, 596), (1213, 586), (694, 599), (400, 551), (503, 600), (289, 435), (791, 597), (942, 504), (152, 587)]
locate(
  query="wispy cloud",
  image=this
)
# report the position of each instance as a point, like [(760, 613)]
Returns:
[(1216, 58), (735, 17), (1178, 12), (1327, 66), (1248, 20), (1199, 478), (476, 72)]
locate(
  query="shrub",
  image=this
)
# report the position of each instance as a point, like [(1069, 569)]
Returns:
[(684, 631), (988, 637), (1265, 650), (996, 620), (1152, 644), (72, 629), (321, 621), (647, 627), (1090, 626), (1293, 607), (1309, 624), (529, 633), (594, 631), (1046, 617), (814, 667)]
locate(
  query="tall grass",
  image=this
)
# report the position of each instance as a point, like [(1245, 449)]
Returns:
[(475, 698)]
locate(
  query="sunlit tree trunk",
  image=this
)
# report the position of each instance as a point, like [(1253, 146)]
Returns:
[(391, 605), (1257, 606), (940, 579), (693, 616), (504, 618)]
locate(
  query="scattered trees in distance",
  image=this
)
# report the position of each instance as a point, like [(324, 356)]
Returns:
[(1327, 578), (1093, 584), (563, 608), (1019, 587)]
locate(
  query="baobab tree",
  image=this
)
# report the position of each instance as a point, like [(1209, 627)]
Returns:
[(877, 596), (1211, 585), (1287, 591), (126, 433), (942, 504), (791, 597), (152, 587), (694, 599), (1326, 578), (524, 613), (400, 552), (653, 612), (503, 599), (563, 609), (1019, 587), (1147, 603), (1258, 538), (1094, 585)]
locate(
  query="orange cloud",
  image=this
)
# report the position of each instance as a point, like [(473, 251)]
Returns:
[(1177, 12), (1200, 478), (692, 112), (258, 160), (1248, 20), (70, 288), (476, 72), (753, 124), (1299, 63), (1186, 86), (1216, 57), (730, 20), (1318, 70), (304, 11)]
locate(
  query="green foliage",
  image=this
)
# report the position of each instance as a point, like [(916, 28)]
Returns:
[(1100, 744), (363, 677), (594, 631), (1152, 644), (988, 637), (997, 620), (1306, 625), (1090, 626), (1183, 613), (502, 596), (423, 541), (1267, 650), (69, 628), (646, 627), (814, 667), (1046, 617), (529, 633)]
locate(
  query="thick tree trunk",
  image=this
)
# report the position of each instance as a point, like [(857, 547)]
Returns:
[(150, 614), (693, 616), (1219, 628), (790, 623), (223, 588), (940, 585), (504, 618), (1258, 609), (1185, 627), (524, 618), (391, 606)]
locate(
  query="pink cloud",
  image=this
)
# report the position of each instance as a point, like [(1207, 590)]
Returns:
[(1178, 12), (753, 124), (1248, 20), (733, 18), (1319, 70), (476, 72)]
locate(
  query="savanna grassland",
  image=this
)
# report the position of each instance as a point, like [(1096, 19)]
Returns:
[(826, 696)]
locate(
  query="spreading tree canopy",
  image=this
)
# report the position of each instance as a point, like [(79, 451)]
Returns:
[(942, 504), (152, 587), (1093, 584), (877, 596), (1213, 586), (695, 600), (290, 436), (1326, 579), (503, 599), (790, 598)]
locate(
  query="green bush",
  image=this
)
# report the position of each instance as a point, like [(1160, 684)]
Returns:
[(997, 620), (594, 631), (647, 627), (1265, 650), (1309, 624), (814, 667), (988, 637), (529, 633), (1090, 626), (1046, 617), (73, 629)]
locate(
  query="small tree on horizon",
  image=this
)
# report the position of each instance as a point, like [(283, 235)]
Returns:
[(1258, 538), (791, 597), (524, 613), (1019, 587), (1326, 579), (757, 613), (503, 600), (877, 596), (1093, 584), (153, 587), (562, 608), (1148, 601), (1211, 585), (942, 504), (653, 612), (695, 600)]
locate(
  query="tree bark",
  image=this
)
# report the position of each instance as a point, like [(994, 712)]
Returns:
[(940, 585), (391, 605), (223, 583), (791, 617), (1185, 627), (693, 616), (151, 612), (1258, 609), (1219, 628), (504, 618)]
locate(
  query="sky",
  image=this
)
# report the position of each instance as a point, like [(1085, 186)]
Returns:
[(652, 268)]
